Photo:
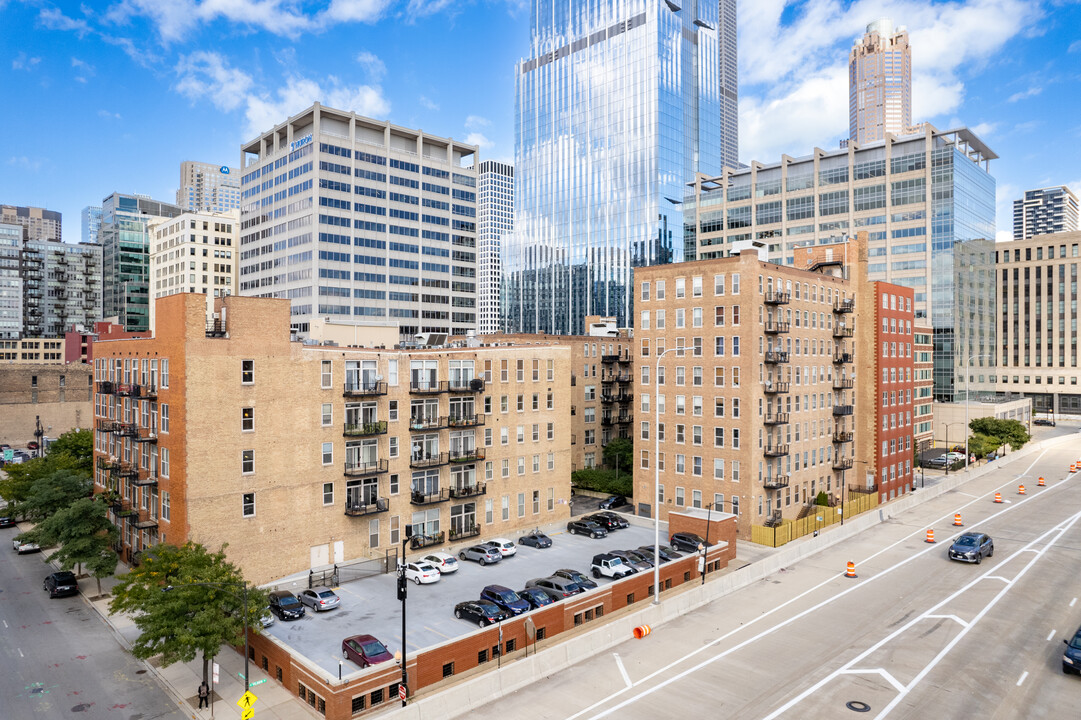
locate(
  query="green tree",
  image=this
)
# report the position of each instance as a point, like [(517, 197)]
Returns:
[(1012, 432), (53, 493), (619, 452), (85, 536), (602, 480), (982, 445), (71, 452), (19, 479), (74, 449), (822, 498), (178, 618)]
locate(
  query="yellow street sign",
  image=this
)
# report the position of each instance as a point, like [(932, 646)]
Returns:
[(247, 714), (246, 700)]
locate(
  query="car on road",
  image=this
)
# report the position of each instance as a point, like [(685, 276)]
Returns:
[(972, 547), (613, 502), (7, 522), (558, 587), (619, 520), (575, 576), (634, 562), (582, 527), (31, 445), (505, 598), (24, 546), (421, 572), (285, 605), (536, 539), (610, 566), (481, 612), (687, 542), (504, 546), (666, 552), (60, 584), (1044, 421), (1071, 659), (320, 599), (536, 597), (603, 520), (365, 650), (444, 562), (937, 462), (481, 554)]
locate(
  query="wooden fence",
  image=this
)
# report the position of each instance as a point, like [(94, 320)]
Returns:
[(789, 530)]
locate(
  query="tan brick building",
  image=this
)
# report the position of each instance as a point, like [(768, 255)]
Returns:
[(301, 455), (58, 395)]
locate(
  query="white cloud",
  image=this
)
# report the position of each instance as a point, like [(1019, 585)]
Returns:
[(984, 129), (83, 69), (22, 62), (1003, 235), (54, 19), (355, 10), (476, 122), (476, 138), (108, 115), (207, 74), (372, 65), (419, 8), (22, 162), (1022, 94), (428, 103), (1075, 46)]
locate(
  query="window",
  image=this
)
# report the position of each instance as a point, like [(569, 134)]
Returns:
[(247, 371), (164, 462), (247, 505), (163, 411), (328, 414), (645, 291), (328, 453), (166, 506), (325, 375), (247, 419), (679, 496), (247, 461), (328, 493)]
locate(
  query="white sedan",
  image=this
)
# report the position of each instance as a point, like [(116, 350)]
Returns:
[(22, 546), (444, 562), (421, 572), (505, 547)]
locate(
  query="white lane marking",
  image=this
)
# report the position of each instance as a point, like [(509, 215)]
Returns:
[(876, 671), (778, 608), (20, 652), (622, 670), (1022, 678), (1073, 602), (1050, 635), (999, 577), (960, 622), (5, 623)]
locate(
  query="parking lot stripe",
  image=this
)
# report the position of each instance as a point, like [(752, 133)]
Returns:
[(622, 670), (1073, 602), (431, 630), (1050, 635), (1022, 678)]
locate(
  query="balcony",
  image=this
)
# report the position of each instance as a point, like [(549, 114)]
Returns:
[(146, 523), (840, 331), (215, 329), (625, 397), (428, 387), (360, 508), (360, 469), (777, 298), (126, 430), (364, 388), (466, 385), (775, 450), (421, 423), (839, 410), (148, 434), (625, 378), (471, 531), (776, 326), (422, 541), (147, 477), (842, 436), (775, 357), (613, 358), (840, 463), (606, 420), (775, 482), (461, 421), (365, 429), (439, 496), (128, 471), (106, 425), (124, 390), (106, 387), (424, 460), (775, 387), (843, 383), (844, 306), (778, 418), (108, 464), (839, 358), (623, 419), (866, 489), (466, 455), (149, 391), (469, 490)]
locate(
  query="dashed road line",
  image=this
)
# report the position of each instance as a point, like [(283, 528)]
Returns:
[(1050, 635), (1073, 602), (1022, 678)]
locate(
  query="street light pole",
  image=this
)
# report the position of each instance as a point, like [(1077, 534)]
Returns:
[(657, 478), (402, 592), (967, 399)]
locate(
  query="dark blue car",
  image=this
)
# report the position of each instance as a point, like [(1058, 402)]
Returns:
[(505, 598)]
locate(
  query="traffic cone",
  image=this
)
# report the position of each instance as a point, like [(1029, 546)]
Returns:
[(851, 571), (1041, 483), (930, 535), (1073, 468), (998, 497), (641, 631), (957, 520), (1021, 490)]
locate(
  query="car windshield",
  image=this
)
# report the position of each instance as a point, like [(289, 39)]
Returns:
[(425, 567), (508, 596), (1076, 642), (966, 540), (488, 608), (288, 602), (326, 594), (373, 648)]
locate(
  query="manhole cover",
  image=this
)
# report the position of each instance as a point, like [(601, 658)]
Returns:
[(858, 706)]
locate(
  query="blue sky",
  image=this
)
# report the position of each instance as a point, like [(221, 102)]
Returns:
[(104, 96)]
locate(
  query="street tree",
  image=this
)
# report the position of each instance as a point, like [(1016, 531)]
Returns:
[(74, 449), (619, 453), (187, 601), (85, 536), (54, 492), (72, 452)]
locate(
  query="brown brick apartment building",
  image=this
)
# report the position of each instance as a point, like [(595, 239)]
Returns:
[(57, 394), (301, 455)]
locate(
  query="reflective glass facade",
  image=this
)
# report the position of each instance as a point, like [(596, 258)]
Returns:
[(618, 105)]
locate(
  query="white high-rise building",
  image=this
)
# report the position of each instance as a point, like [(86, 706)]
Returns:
[(880, 84), (208, 188), (496, 220), (1044, 211), (729, 77)]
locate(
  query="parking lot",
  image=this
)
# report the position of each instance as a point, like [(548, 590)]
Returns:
[(370, 606)]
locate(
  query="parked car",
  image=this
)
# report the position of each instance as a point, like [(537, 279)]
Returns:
[(285, 605), (619, 520), (481, 612), (610, 566), (31, 445), (7, 522), (504, 546), (444, 562), (972, 547), (421, 572), (536, 539), (955, 456), (536, 597), (603, 520), (365, 650), (636, 554), (632, 561), (666, 552), (1071, 659), (22, 546), (937, 462), (686, 542), (613, 502), (575, 576), (60, 584), (505, 598), (558, 587), (267, 619), (481, 554), (320, 599), (1044, 421), (582, 527)]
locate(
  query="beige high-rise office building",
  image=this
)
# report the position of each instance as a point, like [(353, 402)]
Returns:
[(880, 83)]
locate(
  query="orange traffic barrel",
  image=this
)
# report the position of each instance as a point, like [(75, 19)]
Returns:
[(1041, 483), (957, 520), (930, 535), (641, 631), (850, 572), (998, 497), (1021, 489)]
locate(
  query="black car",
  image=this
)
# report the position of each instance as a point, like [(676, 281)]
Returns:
[(481, 612), (665, 552), (1044, 421), (537, 597), (613, 502), (60, 584), (285, 605), (641, 556), (558, 587), (619, 520), (632, 561), (687, 542), (7, 522), (536, 539), (603, 520), (1071, 659), (582, 527), (972, 547), (575, 577)]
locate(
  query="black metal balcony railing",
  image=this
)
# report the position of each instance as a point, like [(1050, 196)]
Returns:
[(842, 436), (775, 450), (777, 326), (842, 409), (423, 387), (108, 464), (460, 421), (425, 422), (146, 478), (844, 306), (778, 418), (624, 397), (126, 430), (777, 298), (107, 387), (215, 329), (840, 331), (843, 383), (426, 540), (610, 358), (420, 498), (775, 482), (466, 455), (466, 532), (868, 489), (606, 420), (145, 522), (468, 385), (843, 357), (465, 491), (106, 425), (148, 434), (425, 460), (358, 508), (128, 471), (357, 469), (365, 429), (840, 463), (149, 391), (776, 386), (776, 356), (361, 388), (621, 419), (124, 390)]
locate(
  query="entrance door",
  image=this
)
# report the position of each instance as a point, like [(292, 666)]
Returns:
[(320, 555)]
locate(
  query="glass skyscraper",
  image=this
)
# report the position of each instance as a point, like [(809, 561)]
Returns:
[(617, 108)]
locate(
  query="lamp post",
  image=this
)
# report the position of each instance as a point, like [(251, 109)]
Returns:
[(226, 584), (948, 443), (967, 366), (657, 477), (402, 592)]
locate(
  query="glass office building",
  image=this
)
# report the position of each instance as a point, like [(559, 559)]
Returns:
[(617, 108)]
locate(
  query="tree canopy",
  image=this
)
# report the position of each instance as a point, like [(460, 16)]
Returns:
[(1011, 432), (72, 453), (54, 492), (84, 534), (619, 452)]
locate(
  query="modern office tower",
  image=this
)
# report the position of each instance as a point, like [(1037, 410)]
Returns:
[(125, 240), (923, 387), (208, 188), (40, 224), (1037, 353), (350, 217), (880, 83), (11, 281), (617, 107), (1048, 210), (931, 231), (495, 184), (91, 216), (194, 253), (729, 77)]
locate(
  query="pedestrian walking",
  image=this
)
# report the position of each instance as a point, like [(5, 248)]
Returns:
[(204, 695)]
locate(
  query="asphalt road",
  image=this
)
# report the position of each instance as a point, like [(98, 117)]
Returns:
[(59, 659), (913, 636)]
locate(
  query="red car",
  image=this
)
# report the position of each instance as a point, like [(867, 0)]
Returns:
[(365, 650)]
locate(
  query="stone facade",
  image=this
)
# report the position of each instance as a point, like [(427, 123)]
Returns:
[(57, 394)]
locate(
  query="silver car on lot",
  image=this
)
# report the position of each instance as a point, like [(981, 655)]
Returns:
[(481, 554), (319, 599)]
